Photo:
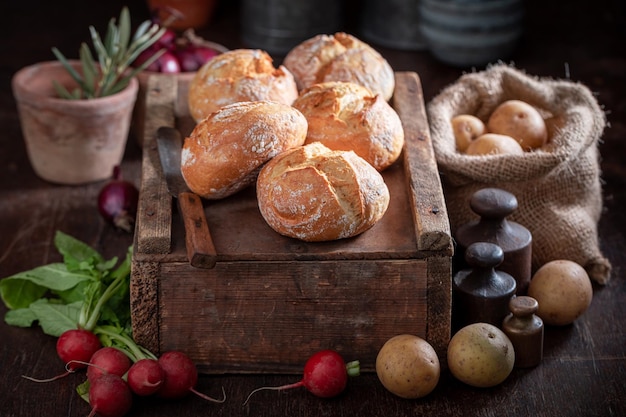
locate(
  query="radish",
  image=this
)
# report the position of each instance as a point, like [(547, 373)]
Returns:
[(181, 377), (145, 377), (75, 347), (108, 360), (325, 375), (109, 396)]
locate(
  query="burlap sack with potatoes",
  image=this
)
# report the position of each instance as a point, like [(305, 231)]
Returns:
[(558, 187)]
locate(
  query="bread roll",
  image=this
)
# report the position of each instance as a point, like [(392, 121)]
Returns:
[(340, 57), (347, 116), (314, 194), (225, 151), (239, 75)]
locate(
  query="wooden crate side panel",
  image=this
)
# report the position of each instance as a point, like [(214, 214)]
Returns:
[(430, 216), (269, 317)]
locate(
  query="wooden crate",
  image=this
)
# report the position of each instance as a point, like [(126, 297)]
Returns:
[(271, 301)]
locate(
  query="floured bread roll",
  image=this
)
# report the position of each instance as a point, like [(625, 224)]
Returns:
[(316, 194), (239, 75), (224, 152), (347, 116), (340, 57)]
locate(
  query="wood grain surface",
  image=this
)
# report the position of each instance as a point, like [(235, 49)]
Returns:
[(583, 371)]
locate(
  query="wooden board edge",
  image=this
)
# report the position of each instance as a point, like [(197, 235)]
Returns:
[(430, 216), (439, 295), (154, 212)]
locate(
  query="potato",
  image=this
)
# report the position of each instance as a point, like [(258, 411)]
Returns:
[(493, 144), (466, 128), (521, 121), (563, 290), (480, 355), (408, 366)]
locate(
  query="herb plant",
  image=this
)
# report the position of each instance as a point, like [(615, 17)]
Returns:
[(111, 72)]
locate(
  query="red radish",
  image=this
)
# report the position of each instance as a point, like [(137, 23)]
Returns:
[(75, 347), (145, 377), (325, 375), (109, 396), (108, 360), (181, 376)]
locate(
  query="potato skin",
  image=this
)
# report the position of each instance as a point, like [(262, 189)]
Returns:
[(481, 355), (563, 290), (408, 366), (466, 128), (521, 121), (494, 144)]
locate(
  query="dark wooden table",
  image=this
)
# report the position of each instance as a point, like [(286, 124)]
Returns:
[(584, 368)]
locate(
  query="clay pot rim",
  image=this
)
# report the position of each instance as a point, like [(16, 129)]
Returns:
[(24, 92)]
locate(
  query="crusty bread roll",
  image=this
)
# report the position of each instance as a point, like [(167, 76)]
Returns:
[(239, 75), (340, 57), (314, 194), (224, 152), (347, 116)]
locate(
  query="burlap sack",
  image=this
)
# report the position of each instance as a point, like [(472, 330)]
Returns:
[(558, 187)]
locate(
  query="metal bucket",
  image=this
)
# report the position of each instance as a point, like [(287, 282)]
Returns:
[(276, 26), (471, 32)]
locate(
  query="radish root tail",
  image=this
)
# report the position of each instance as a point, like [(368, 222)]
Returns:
[(206, 397), (281, 388)]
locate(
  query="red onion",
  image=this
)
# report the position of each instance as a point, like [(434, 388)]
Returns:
[(169, 64), (117, 202)]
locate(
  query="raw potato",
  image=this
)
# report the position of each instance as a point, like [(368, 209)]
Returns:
[(466, 128), (563, 290), (408, 366), (521, 121), (494, 144), (480, 355)]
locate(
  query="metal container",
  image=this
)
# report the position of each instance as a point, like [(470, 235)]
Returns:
[(471, 32), (392, 23), (276, 26)]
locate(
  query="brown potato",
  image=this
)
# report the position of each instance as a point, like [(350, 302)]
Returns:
[(466, 128), (492, 144), (408, 366), (481, 355), (521, 121), (563, 290)]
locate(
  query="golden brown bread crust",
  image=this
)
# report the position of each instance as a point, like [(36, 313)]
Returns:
[(315, 194), (347, 116), (340, 57), (239, 75), (225, 151)]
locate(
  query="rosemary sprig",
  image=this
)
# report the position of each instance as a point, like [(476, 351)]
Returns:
[(110, 73)]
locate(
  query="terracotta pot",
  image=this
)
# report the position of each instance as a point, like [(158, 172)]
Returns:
[(71, 141), (193, 13)]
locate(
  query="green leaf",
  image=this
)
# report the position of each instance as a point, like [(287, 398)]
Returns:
[(55, 318), (73, 249), (21, 289), (22, 317)]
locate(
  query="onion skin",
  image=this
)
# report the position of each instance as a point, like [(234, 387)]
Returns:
[(117, 202)]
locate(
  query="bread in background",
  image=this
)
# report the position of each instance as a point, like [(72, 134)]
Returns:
[(347, 116), (340, 57), (239, 75)]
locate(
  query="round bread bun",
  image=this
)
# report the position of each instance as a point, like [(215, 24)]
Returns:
[(239, 75), (347, 116), (224, 152), (340, 57), (314, 194)]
